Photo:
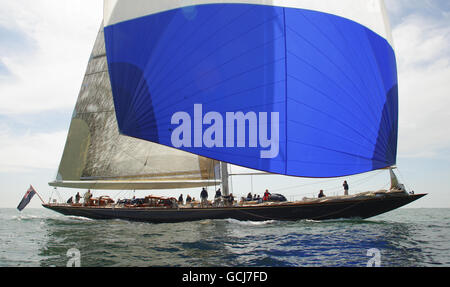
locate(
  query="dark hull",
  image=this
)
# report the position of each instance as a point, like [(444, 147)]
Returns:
[(315, 211)]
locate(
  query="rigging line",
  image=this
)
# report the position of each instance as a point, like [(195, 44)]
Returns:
[(351, 47), (220, 65), (324, 94), (380, 87), (332, 150), (209, 175), (207, 73), (108, 161), (302, 185), (328, 115), (328, 132), (215, 50), (94, 57), (179, 49), (160, 77), (123, 151), (203, 42), (144, 165), (212, 169), (203, 90), (230, 179), (329, 180), (105, 122), (331, 61), (176, 50), (403, 179), (94, 73), (340, 52), (356, 102), (241, 107), (51, 195), (365, 55), (150, 123)]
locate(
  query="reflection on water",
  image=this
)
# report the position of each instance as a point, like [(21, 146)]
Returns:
[(404, 238)]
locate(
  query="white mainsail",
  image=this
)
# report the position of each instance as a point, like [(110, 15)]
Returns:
[(96, 156)]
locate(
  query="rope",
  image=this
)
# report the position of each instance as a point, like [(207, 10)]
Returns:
[(403, 179), (330, 180)]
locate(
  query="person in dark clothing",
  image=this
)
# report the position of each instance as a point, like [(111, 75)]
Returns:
[(77, 198), (218, 198), (231, 199), (70, 200), (345, 185), (204, 196), (188, 199), (249, 196), (218, 193), (321, 194), (180, 199)]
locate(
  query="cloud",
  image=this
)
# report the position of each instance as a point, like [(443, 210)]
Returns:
[(398, 9), (423, 55), (13, 41), (55, 40), (4, 72), (28, 151)]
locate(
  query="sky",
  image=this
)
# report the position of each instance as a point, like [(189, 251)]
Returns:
[(45, 46)]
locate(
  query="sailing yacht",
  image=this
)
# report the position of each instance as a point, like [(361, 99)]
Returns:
[(175, 91)]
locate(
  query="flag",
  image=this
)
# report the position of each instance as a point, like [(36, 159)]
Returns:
[(26, 198)]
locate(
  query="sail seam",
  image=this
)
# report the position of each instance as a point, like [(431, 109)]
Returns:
[(98, 56), (93, 73)]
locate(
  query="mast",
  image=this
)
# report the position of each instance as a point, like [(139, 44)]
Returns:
[(224, 178)]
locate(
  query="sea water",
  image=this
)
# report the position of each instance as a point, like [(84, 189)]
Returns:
[(404, 237)]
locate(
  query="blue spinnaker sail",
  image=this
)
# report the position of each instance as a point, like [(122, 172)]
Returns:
[(286, 90)]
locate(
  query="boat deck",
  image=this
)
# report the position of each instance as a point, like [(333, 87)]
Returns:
[(243, 204)]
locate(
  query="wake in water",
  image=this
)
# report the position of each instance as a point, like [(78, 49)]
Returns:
[(251, 223), (80, 218), (29, 217)]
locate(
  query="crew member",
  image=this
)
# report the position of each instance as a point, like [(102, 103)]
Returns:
[(345, 185), (204, 196), (77, 198), (266, 195), (87, 197), (321, 194)]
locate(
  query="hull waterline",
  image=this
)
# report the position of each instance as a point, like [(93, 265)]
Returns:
[(296, 211)]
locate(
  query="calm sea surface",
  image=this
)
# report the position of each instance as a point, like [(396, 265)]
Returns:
[(404, 237)]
